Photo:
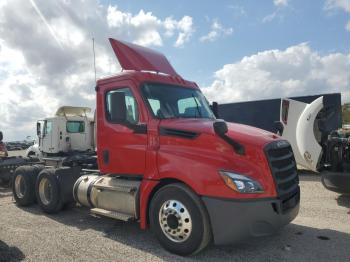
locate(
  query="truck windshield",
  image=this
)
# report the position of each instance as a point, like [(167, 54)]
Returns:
[(168, 101)]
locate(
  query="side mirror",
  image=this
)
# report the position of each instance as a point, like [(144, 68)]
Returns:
[(118, 107), (38, 129), (220, 127), (215, 109)]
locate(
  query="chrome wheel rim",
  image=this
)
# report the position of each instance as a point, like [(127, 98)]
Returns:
[(20, 186), (175, 221), (45, 191)]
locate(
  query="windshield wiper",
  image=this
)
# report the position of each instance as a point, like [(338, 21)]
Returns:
[(199, 111)]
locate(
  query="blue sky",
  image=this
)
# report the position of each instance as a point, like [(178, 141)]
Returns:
[(235, 50), (297, 22)]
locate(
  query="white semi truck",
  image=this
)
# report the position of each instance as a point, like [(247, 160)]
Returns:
[(315, 148), (71, 130), (66, 139)]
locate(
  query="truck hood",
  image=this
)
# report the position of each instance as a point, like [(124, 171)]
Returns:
[(241, 133)]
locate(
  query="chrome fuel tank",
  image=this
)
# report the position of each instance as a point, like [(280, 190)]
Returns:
[(108, 193)]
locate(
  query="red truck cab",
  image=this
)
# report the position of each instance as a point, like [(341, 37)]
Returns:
[(153, 124), (166, 161)]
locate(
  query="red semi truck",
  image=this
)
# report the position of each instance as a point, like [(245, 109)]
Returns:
[(167, 162)]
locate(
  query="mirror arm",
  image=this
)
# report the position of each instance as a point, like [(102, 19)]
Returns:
[(215, 109)]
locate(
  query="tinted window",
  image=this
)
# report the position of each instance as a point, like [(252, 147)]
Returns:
[(75, 127), (132, 114)]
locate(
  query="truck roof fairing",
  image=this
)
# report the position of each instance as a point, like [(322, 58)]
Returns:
[(72, 111), (139, 58)]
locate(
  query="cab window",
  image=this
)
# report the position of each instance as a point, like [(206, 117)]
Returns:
[(75, 127)]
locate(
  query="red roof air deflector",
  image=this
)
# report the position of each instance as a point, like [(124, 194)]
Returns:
[(138, 58)]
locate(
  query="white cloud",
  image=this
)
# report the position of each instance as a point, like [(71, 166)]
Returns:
[(297, 70), (146, 29), (185, 26), (18, 89), (217, 31), (338, 4), (46, 54), (269, 17), (347, 26), (343, 5), (280, 3)]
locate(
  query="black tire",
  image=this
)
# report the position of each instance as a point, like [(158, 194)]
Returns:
[(23, 185), (48, 193), (200, 234), (38, 169)]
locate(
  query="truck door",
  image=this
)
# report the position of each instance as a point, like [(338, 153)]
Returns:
[(121, 138), (46, 140)]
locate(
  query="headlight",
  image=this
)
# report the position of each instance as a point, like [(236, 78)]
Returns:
[(241, 183)]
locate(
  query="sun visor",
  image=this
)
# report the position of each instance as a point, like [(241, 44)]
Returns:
[(138, 58)]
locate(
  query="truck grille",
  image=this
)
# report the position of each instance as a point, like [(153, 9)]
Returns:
[(283, 168)]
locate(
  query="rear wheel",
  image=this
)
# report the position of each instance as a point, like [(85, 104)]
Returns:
[(48, 191), (23, 185), (179, 220)]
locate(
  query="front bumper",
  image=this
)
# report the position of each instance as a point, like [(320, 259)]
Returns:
[(336, 181), (236, 220)]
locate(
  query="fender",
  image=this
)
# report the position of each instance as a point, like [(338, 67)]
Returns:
[(298, 120)]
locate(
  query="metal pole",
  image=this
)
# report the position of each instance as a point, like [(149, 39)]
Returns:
[(93, 49)]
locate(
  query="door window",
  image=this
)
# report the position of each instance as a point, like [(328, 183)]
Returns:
[(48, 127), (132, 114)]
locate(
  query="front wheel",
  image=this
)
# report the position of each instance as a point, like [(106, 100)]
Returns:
[(179, 220)]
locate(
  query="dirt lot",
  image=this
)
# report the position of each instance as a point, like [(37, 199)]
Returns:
[(321, 232)]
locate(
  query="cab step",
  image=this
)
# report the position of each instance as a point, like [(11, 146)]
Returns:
[(111, 214)]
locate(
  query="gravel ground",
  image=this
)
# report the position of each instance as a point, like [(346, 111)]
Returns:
[(321, 232)]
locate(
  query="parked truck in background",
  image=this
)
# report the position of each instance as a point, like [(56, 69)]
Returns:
[(315, 146), (69, 131), (165, 161), (66, 139)]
